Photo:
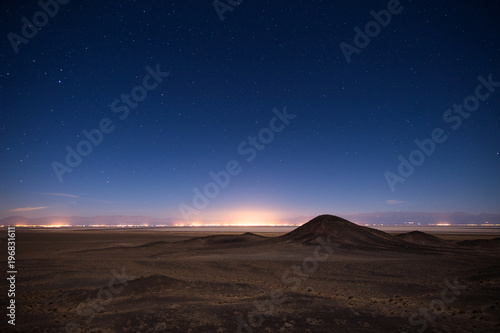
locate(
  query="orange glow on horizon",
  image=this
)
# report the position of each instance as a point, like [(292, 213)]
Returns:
[(238, 217), (247, 217)]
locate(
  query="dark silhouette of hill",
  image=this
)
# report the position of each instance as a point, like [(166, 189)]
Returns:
[(422, 238), (344, 233), (482, 243), (224, 240), (196, 243)]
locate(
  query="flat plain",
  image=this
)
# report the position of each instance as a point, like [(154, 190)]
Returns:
[(327, 276)]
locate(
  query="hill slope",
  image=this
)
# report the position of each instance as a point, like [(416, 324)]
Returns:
[(422, 238), (343, 232)]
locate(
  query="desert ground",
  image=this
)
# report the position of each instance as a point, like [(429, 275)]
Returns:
[(328, 275)]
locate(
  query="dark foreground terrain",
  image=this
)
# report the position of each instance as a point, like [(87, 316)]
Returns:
[(327, 276)]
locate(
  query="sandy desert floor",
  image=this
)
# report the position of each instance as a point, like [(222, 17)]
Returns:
[(146, 280)]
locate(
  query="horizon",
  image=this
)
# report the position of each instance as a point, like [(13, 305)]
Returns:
[(416, 219)]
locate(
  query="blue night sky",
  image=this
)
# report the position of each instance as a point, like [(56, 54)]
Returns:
[(265, 99)]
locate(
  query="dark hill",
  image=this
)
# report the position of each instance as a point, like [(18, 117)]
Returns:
[(343, 232), (482, 243), (421, 238), (224, 240)]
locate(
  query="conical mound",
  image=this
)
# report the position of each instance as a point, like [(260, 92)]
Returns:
[(342, 232)]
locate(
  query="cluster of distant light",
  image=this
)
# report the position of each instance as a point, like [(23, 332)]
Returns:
[(82, 226), (466, 225), (196, 225), (233, 225), (432, 224), (447, 224), (178, 225), (41, 226)]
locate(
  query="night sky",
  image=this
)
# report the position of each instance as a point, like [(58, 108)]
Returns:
[(275, 101)]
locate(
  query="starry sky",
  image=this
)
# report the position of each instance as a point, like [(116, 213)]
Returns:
[(284, 103)]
